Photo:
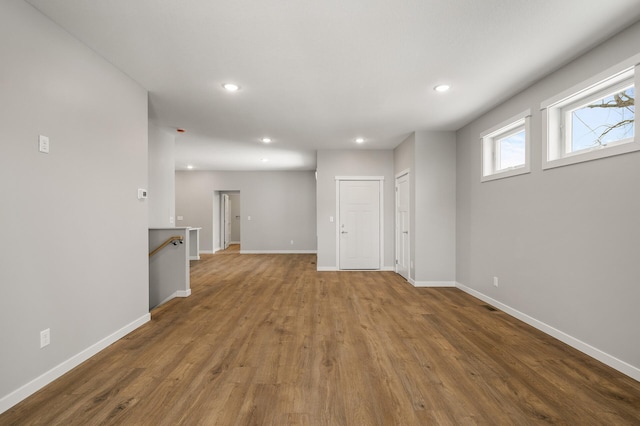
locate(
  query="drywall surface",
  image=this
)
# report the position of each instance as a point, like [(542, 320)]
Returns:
[(280, 205), (74, 256), (162, 184), (563, 242), (235, 213), (404, 158), (332, 163), (435, 208), (169, 267)]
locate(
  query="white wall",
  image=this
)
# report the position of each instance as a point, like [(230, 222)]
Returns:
[(431, 159), (74, 250), (235, 213), (435, 208), (161, 190), (332, 163), (281, 206), (563, 242)]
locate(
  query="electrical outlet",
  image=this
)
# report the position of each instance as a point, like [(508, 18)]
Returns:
[(45, 338), (495, 281)]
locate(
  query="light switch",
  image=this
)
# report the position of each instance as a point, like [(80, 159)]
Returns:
[(248, 217), (330, 218), (43, 145), (180, 218)]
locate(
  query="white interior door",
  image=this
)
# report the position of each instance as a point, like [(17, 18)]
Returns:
[(359, 227), (402, 225), (226, 209)]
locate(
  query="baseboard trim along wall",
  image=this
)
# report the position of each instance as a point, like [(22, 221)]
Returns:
[(38, 383), (178, 293), (334, 268), (611, 361), (433, 283), (183, 293), (278, 251)]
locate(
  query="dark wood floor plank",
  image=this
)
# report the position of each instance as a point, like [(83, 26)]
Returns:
[(268, 340)]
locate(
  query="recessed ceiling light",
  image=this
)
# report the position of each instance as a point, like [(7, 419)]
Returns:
[(231, 87), (264, 160), (189, 167), (442, 88), (360, 140), (266, 140)]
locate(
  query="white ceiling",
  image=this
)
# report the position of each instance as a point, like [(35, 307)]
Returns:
[(317, 74)]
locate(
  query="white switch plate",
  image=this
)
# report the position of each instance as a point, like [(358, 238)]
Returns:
[(43, 145), (248, 217), (180, 218), (330, 218), (45, 338)]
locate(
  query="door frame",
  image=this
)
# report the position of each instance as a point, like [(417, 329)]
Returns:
[(380, 180), (407, 173)]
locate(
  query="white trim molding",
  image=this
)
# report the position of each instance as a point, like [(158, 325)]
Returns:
[(278, 251), (8, 401), (326, 268), (611, 361), (183, 293), (433, 283)]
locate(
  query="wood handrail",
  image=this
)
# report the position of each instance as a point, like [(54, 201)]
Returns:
[(166, 243)]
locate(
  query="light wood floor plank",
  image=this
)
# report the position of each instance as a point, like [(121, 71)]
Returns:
[(268, 340)]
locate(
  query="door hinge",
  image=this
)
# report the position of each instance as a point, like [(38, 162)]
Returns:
[(396, 261)]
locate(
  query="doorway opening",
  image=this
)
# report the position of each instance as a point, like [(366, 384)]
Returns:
[(227, 220)]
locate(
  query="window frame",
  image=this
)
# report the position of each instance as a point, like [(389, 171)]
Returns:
[(555, 136), (490, 152)]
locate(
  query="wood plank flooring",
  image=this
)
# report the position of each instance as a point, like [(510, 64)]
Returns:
[(267, 340)]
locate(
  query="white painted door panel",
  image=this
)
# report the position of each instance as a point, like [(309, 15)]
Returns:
[(359, 225), (402, 226)]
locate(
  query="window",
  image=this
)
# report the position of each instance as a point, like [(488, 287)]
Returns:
[(505, 148), (593, 120)]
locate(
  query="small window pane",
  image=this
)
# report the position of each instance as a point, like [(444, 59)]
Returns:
[(511, 151), (603, 121)]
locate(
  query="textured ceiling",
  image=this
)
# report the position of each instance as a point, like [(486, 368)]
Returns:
[(317, 74)]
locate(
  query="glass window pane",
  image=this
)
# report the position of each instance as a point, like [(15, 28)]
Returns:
[(603, 121), (511, 151)]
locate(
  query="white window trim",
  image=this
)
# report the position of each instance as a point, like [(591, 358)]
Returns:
[(553, 154), (487, 139)]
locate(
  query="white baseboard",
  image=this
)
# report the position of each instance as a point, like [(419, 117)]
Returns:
[(206, 251), (611, 361), (335, 268), (178, 293), (433, 283), (278, 251), (194, 257), (38, 383), (183, 293)]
